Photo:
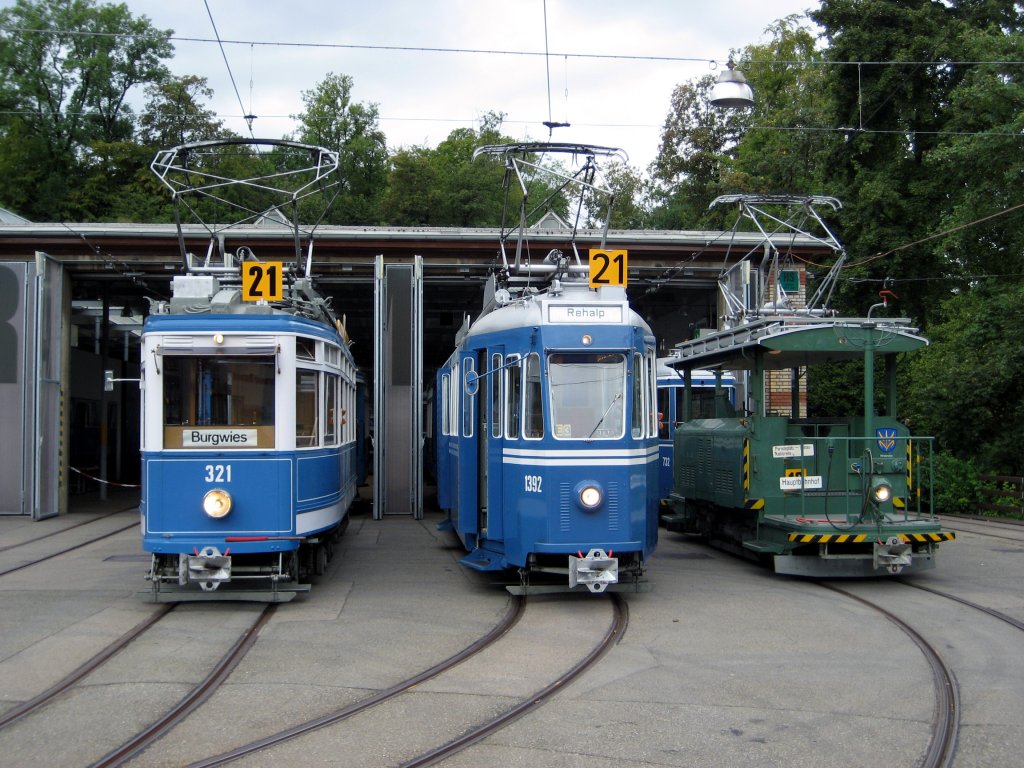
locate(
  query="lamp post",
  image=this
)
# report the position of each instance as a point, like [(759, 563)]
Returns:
[(732, 89)]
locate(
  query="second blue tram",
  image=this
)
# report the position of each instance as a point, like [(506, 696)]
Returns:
[(547, 445)]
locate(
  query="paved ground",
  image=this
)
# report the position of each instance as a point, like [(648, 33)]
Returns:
[(723, 663)]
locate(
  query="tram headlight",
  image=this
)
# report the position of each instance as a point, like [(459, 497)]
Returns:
[(217, 503), (881, 491), (590, 496)]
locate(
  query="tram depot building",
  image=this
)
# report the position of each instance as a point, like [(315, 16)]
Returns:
[(73, 298)]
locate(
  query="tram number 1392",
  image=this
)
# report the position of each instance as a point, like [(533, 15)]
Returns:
[(532, 483)]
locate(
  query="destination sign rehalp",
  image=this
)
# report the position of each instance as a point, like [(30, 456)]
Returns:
[(584, 313)]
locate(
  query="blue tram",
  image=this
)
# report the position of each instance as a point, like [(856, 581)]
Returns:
[(252, 450), (547, 438), (249, 447), (546, 432)]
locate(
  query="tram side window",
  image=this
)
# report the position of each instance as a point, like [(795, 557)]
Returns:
[(636, 417), (513, 388), (533, 412), (306, 408), (469, 400), (664, 414), (228, 391), (331, 404), (305, 349), (446, 382), (496, 383), (651, 392)]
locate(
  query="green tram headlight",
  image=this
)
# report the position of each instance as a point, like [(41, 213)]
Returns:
[(881, 491), (217, 503)]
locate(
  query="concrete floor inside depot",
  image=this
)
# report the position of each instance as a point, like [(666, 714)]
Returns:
[(722, 664)]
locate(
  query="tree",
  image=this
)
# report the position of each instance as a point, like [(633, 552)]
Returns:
[(965, 387), (174, 113), (66, 69), (445, 186), (696, 140), (907, 63), (333, 121), (784, 147)]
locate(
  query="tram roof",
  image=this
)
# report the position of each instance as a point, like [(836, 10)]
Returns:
[(793, 341)]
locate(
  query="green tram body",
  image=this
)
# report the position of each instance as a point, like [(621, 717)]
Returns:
[(799, 490)]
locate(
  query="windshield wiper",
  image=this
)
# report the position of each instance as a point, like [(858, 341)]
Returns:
[(618, 396)]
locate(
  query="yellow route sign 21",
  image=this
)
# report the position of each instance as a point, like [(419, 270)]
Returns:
[(608, 268), (262, 280)]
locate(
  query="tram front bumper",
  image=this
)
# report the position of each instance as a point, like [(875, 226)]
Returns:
[(207, 567), (596, 571)]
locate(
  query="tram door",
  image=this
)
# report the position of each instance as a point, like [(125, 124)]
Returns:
[(483, 440), (398, 389)]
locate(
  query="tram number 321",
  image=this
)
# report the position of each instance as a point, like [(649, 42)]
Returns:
[(532, 483), (217, 473)]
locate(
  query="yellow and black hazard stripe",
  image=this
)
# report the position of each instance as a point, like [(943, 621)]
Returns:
[(859, 538), (746, 466), (830, 538), (923, 538), (753, 504)]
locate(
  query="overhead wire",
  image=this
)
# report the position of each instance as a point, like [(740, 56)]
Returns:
[(247, 116)]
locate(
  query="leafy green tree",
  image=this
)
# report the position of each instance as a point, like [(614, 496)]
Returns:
[(965, 387), (777, 147), (696, 141), (332, 120), (66, 70), (979, 163), (784, 147), (445, 186), (906, 63), (174, 113)]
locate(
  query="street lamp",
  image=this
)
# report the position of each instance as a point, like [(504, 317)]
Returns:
[(732, 89)]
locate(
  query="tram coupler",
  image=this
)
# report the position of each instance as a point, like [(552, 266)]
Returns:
[(208, 567), (892, 555), (596, 571)]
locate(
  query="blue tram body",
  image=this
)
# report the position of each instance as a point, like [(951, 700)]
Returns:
[(546, 437), (251, 450)]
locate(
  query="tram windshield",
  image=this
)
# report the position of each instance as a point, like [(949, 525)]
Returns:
[(222, 391), (588, 395)]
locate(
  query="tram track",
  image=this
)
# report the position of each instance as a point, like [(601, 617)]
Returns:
[(473, 734), (515, 611), (946, 724), (193, 700), (970, 603), (68, 681), (66, 550), (188, 704), (51, 534), (616, 630)]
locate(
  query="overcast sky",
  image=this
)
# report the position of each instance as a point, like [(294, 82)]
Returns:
[(423, 95)]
